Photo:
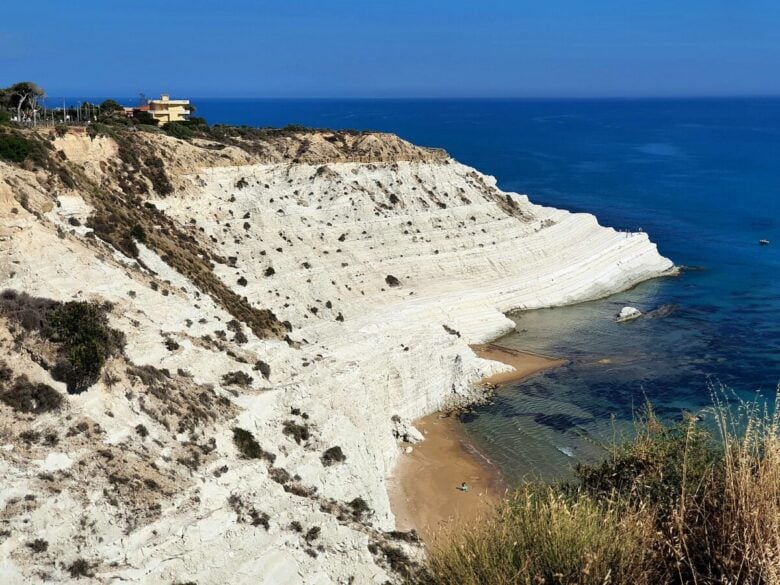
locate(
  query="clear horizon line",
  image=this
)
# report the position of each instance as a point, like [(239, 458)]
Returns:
[(435, 97)]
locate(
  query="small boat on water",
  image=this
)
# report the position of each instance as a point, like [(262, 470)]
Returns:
[(763, 242)]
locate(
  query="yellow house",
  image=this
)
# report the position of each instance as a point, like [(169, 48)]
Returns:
[(167, 110)]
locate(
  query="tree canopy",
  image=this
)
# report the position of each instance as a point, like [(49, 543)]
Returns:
[(110, 106)]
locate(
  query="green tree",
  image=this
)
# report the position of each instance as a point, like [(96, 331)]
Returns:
[(110, 106)]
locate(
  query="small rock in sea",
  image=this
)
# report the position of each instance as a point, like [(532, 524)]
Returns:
[(628, 313)]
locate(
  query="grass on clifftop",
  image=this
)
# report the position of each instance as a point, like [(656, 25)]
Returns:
[(694, 502)]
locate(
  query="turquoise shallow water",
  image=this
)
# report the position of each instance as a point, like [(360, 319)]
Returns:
[(701, 176)]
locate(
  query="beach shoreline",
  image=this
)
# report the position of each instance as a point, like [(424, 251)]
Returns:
[(424, 486)]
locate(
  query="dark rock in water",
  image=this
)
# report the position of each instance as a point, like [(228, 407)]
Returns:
[(560, 422), (662, 311), (467, 417)]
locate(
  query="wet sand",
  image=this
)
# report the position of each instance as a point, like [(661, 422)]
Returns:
[(524, 363), (424, 492)]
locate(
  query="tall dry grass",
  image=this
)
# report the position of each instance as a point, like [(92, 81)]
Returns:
[(696, 502), (539, 535)]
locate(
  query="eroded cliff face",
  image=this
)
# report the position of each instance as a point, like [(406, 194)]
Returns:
[(287, 307)]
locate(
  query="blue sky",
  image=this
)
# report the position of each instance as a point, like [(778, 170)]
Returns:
[(394, 48)]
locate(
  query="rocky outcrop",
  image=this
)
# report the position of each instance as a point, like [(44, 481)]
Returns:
[(271, 364), (628, 314)]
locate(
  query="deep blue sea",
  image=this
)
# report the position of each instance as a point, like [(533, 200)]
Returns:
[(701, 176)]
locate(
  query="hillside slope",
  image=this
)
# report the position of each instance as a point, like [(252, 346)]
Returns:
[(315, 291)]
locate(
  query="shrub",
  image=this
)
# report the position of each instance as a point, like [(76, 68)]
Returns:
[(28, 397), (263, 368), (29, 312), (5, 372), (359, 508), (79, 329), (248, 447), (38, 545), (5, 117), (137, 232), (145, 118), (88, 341), (333, 455), (178, 130), (237, 378), (400, 562), (238, 331), (279, 475), (80, 568), (312, 534), (249, 514), (14, 147), (296, 431), (155, 172)]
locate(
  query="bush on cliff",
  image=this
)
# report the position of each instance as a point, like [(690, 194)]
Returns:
[(178, 130), (29, 397), (15, 147), (248, 446), (78, 331), (695, 502), (87, 340)]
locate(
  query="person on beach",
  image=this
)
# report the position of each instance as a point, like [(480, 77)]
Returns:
[(464, 487)]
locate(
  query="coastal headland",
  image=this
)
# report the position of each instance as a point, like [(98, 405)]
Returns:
[(273, 308)]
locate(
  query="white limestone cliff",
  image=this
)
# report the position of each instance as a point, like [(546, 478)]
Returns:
[(386, 271)]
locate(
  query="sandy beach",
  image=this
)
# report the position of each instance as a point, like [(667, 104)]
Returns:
[(424, 490)]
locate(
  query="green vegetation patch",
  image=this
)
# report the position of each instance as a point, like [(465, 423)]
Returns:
[(178, 130), (78, 330), (16, 148)]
